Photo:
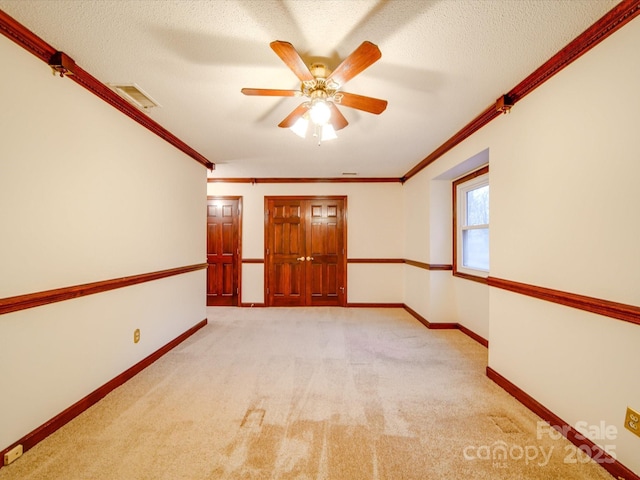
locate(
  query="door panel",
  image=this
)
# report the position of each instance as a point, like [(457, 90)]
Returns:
[(326, 247), (222, 251), (286, 233), (305, 247)]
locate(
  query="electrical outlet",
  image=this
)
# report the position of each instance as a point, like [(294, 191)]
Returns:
[(13, 454), (136, 335), (632, 421)]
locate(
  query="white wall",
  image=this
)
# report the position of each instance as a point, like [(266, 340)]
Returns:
[(375, 222), (564, 198), (86, 194), (472, 305), (435, 294), (375, 283)]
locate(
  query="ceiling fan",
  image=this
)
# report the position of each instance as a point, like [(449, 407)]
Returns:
[(322, 88)]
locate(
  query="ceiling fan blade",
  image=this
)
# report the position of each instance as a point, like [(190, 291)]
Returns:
[(293, 117), (292, 59), (362, 57), (337, 119), (268, 92), (366, 104)]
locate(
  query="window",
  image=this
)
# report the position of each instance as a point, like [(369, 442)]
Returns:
[(471, 225)]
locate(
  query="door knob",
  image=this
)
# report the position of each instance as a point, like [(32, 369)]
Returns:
[(300, 259), (309, 259)]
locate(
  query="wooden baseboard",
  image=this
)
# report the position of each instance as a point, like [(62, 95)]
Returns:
[(433, 326), (349, 305), (481, 340), (374, 305), (606, 461), (46, 429), (417, 316), (447, 326), (427, 323)]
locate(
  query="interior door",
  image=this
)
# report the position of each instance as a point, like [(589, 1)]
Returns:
[(305, 251), (285, 252), (223, 251)]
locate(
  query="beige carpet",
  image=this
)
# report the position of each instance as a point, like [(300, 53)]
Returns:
[(308, 394)]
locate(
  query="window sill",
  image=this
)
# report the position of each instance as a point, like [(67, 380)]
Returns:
[(473, 278)]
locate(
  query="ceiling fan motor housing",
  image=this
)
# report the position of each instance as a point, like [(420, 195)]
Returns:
[(319, 70)]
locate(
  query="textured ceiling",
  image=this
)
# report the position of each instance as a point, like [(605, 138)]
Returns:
[(443, 62)]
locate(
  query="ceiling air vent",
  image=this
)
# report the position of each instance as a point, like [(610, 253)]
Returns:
[(133, 94)]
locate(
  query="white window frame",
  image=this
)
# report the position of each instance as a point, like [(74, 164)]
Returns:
[(461, 188)]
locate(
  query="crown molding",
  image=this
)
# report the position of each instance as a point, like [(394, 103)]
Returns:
[(28, 40), (304, 180), (612, 21)]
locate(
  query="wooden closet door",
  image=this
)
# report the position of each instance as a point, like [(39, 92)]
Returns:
[(325, 252), (222, 251), (285, 252), (305, 251)]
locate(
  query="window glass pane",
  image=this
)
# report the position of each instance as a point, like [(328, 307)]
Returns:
[(478, 206), (475, 248)]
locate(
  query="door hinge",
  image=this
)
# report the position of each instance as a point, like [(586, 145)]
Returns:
[(238, 291), (267, 290), (267, 251)]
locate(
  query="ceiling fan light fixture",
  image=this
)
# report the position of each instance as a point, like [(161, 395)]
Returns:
[(319, 112), (301, 127), (328, 133)]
